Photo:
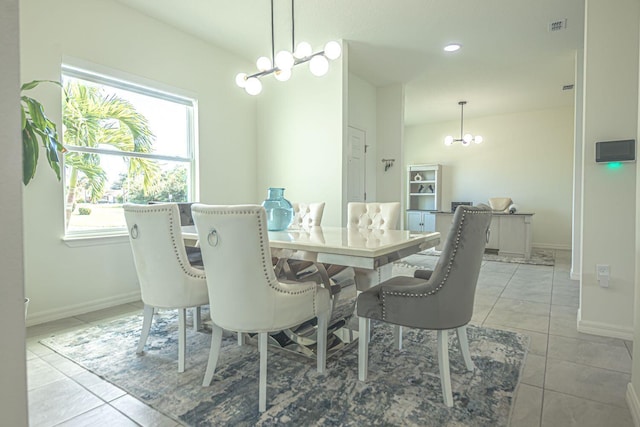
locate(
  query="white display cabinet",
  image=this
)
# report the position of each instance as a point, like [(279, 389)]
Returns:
[(423, 196)]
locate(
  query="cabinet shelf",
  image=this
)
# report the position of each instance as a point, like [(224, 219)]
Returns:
[(423, 196)]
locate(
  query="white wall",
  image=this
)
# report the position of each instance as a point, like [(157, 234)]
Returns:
[(609, 205), (13, 393), (390, 131), (527, 156), (300, 138), (63, 281), (362, 115)]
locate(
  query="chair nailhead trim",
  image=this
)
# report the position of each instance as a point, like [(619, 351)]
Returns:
[(449, 266), (265, 254)]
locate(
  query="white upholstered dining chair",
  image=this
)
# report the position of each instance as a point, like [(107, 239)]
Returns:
[(376, 216), (440, 300), (167, 279), (307, 214), (245, 294), (379, 216)]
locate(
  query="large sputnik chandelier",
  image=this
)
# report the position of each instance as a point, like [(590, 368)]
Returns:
[(465, 138), (282, 63)]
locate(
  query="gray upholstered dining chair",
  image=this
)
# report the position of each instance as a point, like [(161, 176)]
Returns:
[(167, 279), (245, 294), (442, 302)]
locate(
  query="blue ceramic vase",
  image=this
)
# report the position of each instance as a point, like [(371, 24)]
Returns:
[(279, 210)]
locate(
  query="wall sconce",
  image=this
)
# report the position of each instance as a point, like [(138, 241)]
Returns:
[(388, 163)]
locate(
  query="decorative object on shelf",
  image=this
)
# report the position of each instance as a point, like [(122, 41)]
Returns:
[(279, 210), (282, 63), (418, 177), (388, 163), (454, 205), (500, 204), (465, 138), (430, 188), (420, 188), (513, 208)]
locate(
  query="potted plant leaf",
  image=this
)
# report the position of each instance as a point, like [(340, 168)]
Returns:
[(37, 127)]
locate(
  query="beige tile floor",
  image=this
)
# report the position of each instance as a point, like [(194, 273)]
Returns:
[(569, 379)]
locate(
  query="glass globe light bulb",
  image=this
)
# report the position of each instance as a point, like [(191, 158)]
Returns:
[(283, 75), (253, 86), (241, 79), (332, 50), (284, 60), (302, 50), (478, 139), (448, 140), (467, 138), (319, 65), (263, 63)]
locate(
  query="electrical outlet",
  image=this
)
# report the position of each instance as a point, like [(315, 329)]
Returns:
[(603, 273)]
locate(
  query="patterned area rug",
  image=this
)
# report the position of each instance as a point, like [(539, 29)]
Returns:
[(429, 257), (403, 387)]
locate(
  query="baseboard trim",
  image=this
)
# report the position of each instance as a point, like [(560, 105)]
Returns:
[(604, 329), (551, 246), (76, 309), (634, 404)]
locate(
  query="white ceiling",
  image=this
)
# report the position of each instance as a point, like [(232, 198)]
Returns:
[(509, 60)]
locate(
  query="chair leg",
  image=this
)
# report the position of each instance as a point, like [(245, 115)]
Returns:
[(146, 327), (262, 393), (321, 347), (182, 337), (363, 348), (240, 339), (443, 364), (464, 347), (214, 352), (197, 318), (397, 336)]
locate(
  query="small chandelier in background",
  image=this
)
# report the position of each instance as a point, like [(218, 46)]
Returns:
[(465, 138), (282, 63)]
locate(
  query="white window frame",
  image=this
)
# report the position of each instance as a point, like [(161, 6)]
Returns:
[(103, 76)]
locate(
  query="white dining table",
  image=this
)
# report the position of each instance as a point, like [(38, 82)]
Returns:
[(351, 247), (371, 253)]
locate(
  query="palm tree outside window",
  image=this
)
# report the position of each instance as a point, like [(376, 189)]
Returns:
[(126, 143)]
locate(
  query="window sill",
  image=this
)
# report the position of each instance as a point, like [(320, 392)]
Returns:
[(96, 240)]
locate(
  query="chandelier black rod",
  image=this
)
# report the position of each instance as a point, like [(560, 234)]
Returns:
[(296, 62), (273, 53), (461, 118), (293, 29)]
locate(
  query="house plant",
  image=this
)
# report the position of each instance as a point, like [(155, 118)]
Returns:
[(36, 126)]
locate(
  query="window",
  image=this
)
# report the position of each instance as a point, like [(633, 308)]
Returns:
[(126, 143)]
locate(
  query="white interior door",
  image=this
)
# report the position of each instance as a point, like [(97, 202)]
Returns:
[(356, 161)]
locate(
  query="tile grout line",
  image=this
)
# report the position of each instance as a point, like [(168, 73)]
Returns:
[(546, 355)]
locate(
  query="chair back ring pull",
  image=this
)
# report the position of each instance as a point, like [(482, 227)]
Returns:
[(213, 238), (134, 231)]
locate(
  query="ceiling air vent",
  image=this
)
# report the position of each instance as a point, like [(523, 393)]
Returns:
[(567, 87), (559, 25)]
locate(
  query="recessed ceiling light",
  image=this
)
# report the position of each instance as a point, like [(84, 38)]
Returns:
[(452, 47)]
